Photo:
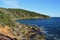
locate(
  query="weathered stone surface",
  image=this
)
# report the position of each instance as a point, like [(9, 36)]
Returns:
[(26, 32), (3, 37)]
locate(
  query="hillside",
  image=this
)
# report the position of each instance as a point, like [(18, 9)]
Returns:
[(7, 15), (5, 19), (23, 14), (13, 29)]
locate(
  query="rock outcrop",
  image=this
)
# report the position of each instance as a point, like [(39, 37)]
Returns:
[(4, 37), (6, 30), (26, 32), (21, 32)]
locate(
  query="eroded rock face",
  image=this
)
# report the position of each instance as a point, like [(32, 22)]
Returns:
[(5, 33), (6, 30), (3, 37)]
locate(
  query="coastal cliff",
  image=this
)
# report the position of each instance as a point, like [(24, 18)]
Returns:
[(16, 31)]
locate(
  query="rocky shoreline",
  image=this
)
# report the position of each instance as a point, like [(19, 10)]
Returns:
[(9, 27), (23, 32), (28, 32)]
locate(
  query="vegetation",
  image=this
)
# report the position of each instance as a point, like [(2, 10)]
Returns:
[(24, 14), (8, 15), (5, 19)]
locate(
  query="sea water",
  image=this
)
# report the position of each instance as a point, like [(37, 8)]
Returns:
[(51, 26)]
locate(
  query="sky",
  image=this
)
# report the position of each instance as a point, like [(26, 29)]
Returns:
[(47, 7)]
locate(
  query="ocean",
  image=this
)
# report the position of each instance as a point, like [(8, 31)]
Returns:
[(51, 26)]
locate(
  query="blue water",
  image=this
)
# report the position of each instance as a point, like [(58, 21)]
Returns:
[(51, 26)]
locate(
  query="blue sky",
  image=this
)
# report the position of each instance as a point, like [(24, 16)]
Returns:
[(48, 7)]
